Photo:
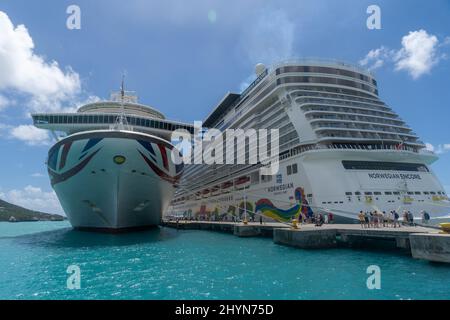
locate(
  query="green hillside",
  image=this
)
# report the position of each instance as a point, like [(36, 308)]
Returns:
[(8, 210)]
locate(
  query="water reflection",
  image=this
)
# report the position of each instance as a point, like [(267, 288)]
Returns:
[(70, 238)]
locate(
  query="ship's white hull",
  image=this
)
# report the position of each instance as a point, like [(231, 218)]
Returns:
[(113, 180), (323, 185)]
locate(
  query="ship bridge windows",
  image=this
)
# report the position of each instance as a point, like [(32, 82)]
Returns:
[(105, 119), (325, 80), (384, 166), (326, 70)]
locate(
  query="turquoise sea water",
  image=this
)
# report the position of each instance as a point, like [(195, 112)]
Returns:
[(170, 264)]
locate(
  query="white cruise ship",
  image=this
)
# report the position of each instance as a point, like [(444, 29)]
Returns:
[(112, 168), (342, 150)]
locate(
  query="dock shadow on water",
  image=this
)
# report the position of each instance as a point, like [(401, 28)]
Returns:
[(71, 238)]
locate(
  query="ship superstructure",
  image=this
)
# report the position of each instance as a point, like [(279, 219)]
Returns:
[(342, 150)]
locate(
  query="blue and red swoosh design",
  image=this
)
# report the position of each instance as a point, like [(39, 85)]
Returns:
[(159, 172), (162, 169), (56, 178)]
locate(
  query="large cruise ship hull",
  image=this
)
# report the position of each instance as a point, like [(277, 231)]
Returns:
[(113, 180), (322, 185)]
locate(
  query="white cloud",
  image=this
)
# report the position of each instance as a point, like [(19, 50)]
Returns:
[(376, 58), (269, 38), (45, 85), (31, 135), (418, 55), (37, 175), (438, 149), (33, 198)]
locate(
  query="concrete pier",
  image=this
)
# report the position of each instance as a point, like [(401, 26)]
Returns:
[(332, 236), (251, 229), (431, 247), (306, 239)]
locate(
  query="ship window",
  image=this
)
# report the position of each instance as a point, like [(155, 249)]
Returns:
[(348, 193), (65, 119), (289, 170), (69, 119), (417, 192), (357, 193), (310, 195), (396, 193), (294, 168), (426, 192), (410, 193), (368, 193), (388, 193), (377, 193), (432, 192)]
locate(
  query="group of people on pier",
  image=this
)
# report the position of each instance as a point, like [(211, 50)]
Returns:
[(377, 219)]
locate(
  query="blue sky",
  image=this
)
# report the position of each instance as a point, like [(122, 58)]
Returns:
[(183, 56)]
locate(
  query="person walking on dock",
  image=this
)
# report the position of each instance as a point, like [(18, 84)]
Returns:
[(405, 218), (396, 217), (390, 219), (425, 217), (411, 219), (367, 219), (362, 219)]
